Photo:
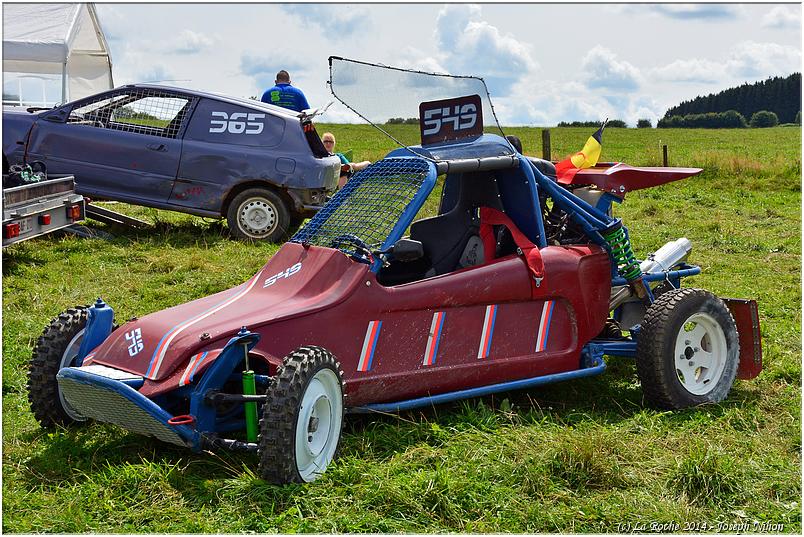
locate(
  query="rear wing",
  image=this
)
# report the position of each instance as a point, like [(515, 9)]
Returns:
[(617, 178)]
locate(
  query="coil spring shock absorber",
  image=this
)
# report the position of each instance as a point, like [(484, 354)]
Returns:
[(623, 257)]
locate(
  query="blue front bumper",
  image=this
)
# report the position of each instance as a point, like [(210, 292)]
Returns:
[(113, 401)]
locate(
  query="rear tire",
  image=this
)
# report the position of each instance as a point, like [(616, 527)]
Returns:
[(302, 418), (259, 214), (56, 348), (688, 350)]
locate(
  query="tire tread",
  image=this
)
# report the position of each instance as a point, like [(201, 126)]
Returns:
[(43, 394), (654, 333), (278, 422)]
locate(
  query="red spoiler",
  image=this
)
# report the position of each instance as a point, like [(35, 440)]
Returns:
[(617, 178)]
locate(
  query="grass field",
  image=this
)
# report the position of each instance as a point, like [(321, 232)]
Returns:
[(581, 456)]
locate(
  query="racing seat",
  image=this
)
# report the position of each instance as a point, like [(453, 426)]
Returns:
[(452, 240)]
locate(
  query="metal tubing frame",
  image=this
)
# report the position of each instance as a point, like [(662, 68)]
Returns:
[(672, 275), (407, 216), (626, 347), (587, 215), (215, 376), (531, 177)]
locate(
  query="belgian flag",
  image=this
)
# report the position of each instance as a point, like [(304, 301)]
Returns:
[(585, 158)]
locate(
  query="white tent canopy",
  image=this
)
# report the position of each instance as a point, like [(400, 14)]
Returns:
[(53, 53)]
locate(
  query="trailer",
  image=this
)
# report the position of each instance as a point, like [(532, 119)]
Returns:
[(35, 209)]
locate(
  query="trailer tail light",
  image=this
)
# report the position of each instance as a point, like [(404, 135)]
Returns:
[(11, 230), (44, 219), (74, 212)]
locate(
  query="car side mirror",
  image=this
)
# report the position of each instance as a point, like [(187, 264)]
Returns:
[(406, 250), (57, 116)]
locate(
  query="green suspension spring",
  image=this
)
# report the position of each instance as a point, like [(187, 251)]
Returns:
[(622, 254)]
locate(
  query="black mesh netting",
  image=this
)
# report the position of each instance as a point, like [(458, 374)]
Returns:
[(385, 95)]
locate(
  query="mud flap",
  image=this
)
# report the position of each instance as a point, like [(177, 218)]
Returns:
[(746, 315)]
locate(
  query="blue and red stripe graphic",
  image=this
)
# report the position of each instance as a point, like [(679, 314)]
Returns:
[(161, 348), (488, 331), (192, 367), (544, 325), (88, 358), (433, 338), (369, 345)]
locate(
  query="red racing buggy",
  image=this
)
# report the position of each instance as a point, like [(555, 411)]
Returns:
[(517, 281)]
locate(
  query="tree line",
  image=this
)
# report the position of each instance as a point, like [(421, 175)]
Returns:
[(780, 95)]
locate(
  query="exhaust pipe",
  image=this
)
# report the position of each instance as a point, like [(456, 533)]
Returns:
[(665, 258), (668, 256)]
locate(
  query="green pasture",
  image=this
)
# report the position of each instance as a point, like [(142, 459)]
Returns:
[(144, 122), (580, 456)]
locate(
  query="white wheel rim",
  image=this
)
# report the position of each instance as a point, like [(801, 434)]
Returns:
[(67, 359), (319, 424), (700, 353), (257, 217)]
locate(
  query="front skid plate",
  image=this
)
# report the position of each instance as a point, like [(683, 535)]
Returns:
[(111, 401)]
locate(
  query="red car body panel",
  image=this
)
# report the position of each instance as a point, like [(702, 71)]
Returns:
[(493, 325)]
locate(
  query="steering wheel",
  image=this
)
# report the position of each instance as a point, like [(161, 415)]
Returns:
[(362, 251)]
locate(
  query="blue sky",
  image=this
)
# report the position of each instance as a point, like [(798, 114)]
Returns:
[(543, 63)]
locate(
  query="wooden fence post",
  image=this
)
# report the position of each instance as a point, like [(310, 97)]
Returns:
[(546, 144), (664, 155)]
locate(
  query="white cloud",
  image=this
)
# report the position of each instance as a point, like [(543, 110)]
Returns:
[(157, 74), (336, 21), (535, 101), (747, 61), (602, 69), (783, 17), (695, 11), (697, 70), (471, 45), (418, 60), (264, 69), (452, 21), (759, 60), (112, 22), (649, 50), (189, 42)]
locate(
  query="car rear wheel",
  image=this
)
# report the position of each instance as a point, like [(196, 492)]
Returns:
[(688, 350), (259, 214)]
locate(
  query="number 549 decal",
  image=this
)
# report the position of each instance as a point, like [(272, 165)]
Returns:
[(287, 273), (235, 123), (450, 119)]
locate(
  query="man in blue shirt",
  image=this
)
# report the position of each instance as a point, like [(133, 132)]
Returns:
[(285, 95)]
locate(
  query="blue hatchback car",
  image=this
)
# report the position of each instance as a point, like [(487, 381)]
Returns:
[(261, 167)]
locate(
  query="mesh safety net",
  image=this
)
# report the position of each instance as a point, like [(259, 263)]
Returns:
[(385, 96), (140, 110), (369, 206)]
